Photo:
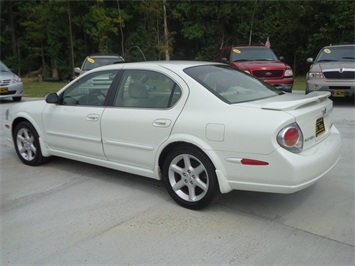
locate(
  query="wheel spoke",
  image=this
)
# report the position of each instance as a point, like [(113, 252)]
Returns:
[(178, 185), (177, 169), (201, 184), (192, 194)]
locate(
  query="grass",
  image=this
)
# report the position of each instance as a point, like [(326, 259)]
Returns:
[(300, 83), (39, 89)]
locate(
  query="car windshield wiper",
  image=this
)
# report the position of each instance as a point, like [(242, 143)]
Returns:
[(326, 60), (242, 60), (351, 58), (264, 59)]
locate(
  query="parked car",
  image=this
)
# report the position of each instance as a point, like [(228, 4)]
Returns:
[(260, 62), (96, 60), (333, 70), (11, 85), (202, 127)]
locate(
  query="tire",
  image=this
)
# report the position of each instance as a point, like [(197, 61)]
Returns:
[(27, 145), (17, 99), (190, 177)]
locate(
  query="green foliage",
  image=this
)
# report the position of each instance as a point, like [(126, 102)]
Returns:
[(36, 33)]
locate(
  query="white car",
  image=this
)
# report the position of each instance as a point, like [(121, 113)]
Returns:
[(11, 85), (202, 127)]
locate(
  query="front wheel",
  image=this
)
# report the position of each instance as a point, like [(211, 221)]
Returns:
[(27, 144), (190, 177)]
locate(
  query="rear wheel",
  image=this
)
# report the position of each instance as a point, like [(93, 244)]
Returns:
[(27, 144), (190, 177)]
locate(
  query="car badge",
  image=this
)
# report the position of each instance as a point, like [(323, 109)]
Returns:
[(268, 74), (341, 70)]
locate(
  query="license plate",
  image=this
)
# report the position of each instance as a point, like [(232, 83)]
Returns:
[(320, 129), (4, 90), (338, 93)]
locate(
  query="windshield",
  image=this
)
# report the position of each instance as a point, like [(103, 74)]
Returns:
[(92, 63), (340, 53), (231, 85), (4, 68), (253, 54)]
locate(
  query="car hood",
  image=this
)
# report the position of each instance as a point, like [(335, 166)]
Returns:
[(7, 75), (324, 66), (264, 65), (288, 101)]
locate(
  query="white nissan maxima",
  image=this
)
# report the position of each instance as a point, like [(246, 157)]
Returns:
[(203, 128)]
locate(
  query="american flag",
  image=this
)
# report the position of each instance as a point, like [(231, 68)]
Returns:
[(267, 44)]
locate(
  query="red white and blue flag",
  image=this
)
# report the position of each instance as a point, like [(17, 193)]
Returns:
[(267, 44)]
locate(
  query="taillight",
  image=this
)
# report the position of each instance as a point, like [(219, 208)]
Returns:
[(291, 138)]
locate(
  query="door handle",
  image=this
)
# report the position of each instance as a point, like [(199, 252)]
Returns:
[(162, 123), (92, 117)]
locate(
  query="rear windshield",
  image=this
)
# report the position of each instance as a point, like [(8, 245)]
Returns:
[(231, 85)]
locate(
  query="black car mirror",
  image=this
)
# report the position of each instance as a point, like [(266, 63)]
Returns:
[(52, 98)]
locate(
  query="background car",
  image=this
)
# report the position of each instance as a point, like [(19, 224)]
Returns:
[(97, 60), (260, 62), (10, 84), (333, 70), (202, 128)]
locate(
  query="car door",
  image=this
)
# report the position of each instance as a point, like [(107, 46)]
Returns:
[(72, 127), (144, 111)]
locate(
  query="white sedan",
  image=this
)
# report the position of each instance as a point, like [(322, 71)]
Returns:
[(203, 128)]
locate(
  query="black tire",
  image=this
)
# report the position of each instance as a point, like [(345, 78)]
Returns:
[(27, 145), (190, 177), (17, 99)]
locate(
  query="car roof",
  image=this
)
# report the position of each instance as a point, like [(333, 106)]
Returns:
[(171, 65), (247, 46), (105, 56), (339, 45)]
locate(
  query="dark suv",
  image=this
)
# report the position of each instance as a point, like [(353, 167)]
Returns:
[(333, 70), (260, 62), (97, 60)]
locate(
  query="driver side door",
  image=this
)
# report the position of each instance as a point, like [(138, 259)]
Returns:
[(72, 127)]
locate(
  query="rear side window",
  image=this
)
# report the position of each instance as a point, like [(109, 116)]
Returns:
[(146, 89), (231, 85)]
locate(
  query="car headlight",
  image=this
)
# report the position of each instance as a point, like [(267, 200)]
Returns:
[(288, 73), (247, 71), (318, 75), (16, 80)]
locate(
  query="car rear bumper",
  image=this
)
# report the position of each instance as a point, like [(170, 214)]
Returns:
[(286, 172)]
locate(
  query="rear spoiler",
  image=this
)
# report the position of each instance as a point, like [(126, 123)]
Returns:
[(313, 97)]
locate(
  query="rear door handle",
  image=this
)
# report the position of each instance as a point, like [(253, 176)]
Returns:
[(162, 123), (92, 117)]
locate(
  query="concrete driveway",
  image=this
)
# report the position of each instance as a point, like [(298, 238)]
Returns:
[(66, 212)]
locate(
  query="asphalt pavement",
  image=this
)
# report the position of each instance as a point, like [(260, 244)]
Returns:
[(71, 213)]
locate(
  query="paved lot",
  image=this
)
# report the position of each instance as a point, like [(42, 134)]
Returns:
[(67, 212)]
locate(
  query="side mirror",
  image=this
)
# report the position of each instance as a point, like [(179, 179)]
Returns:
[(224, 60), (281, 58), (77, 70), (52, 98), (310, 60)]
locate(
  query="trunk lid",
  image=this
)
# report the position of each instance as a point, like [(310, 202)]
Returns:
[(312, 112)]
